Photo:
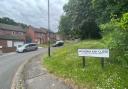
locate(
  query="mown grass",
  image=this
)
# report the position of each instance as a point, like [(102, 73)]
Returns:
[(65, 63)]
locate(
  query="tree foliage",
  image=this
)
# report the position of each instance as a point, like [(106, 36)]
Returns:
[(86, 15), (65, 26), (117, 29), (107, 9), (9, 21), (82, 19)]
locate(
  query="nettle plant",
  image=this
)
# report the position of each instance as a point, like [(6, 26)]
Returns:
[(117, 29), (120, 40)]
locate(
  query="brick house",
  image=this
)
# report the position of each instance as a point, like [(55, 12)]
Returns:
[(39, 35), (52, 36), (11, 36), (59, 37)]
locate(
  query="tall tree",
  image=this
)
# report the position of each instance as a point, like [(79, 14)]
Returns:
[(65, 26), (107, 9), (9, 21), (82, 18)]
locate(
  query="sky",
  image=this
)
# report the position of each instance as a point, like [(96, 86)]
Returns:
[(33, 12)]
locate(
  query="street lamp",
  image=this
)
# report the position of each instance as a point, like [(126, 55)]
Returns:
[(48, 29)]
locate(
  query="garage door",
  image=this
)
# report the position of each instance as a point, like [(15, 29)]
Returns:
[(18, 43), (9, 43)]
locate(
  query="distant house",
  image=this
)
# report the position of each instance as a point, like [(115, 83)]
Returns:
[(39, 35), (59, 37), (36, 35), (52, 36), (11, 36)]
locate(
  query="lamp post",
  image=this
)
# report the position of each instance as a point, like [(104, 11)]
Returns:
[(48, 29)]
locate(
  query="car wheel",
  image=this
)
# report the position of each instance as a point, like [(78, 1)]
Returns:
[(24, 50), (36, 48)]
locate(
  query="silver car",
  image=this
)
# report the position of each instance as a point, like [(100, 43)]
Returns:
[(27, 47)]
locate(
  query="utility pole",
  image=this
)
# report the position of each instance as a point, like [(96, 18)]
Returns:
[(49, 28)]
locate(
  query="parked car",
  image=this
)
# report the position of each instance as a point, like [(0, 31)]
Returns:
[(27, 47), (58, 43)]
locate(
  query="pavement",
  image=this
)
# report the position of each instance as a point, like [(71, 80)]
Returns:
[(7, 54), (9, 63), (37, 77)]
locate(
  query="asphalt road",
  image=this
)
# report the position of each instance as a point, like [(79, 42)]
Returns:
[(10, 63)]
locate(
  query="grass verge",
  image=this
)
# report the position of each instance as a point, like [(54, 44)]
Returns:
[(65, 63)]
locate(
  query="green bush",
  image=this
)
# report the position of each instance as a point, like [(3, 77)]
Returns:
[(117, 36)]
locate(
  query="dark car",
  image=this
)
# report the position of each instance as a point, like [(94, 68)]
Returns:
[(58, 43)]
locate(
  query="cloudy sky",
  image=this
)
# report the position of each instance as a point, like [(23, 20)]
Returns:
[(33, 12)]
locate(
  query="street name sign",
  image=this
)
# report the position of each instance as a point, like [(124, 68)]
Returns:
[(102, 53)]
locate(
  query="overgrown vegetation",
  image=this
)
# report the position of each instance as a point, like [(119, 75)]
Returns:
[(89, 19), (116, 32), (65, 63), (83, 17)]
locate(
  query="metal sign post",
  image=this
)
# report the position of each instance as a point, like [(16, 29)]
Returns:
[(83, 62), (102, 62)]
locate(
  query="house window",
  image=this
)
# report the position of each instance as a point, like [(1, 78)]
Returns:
[(21, 33)]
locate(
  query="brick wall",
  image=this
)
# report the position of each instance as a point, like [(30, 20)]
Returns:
[(8, 49), (5, 32), (37, 36), (3, 43), (8, 32), (30, 33)]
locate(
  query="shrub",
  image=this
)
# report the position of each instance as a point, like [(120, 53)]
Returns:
[(117, 29)]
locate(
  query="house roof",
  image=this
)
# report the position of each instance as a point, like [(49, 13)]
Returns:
[(42, 30), (12, 28), (10, 37)]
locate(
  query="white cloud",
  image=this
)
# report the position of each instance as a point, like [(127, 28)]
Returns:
[(33, 12)]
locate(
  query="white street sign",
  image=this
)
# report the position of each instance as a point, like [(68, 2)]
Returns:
[(94, 53)]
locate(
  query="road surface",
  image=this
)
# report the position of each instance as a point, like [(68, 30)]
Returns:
[(10, 63)]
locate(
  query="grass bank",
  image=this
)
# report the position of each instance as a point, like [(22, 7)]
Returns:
[(65, 63)]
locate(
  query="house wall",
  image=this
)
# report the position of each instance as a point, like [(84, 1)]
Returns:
[(17, 43), (46, 38), (40, 36), (30, 33), (37, 37), (7, 49), (59, 37), (52, 36), (3, 43), (10, 43), (8, 32), (6, 43), (19, 34), (4, 32)]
